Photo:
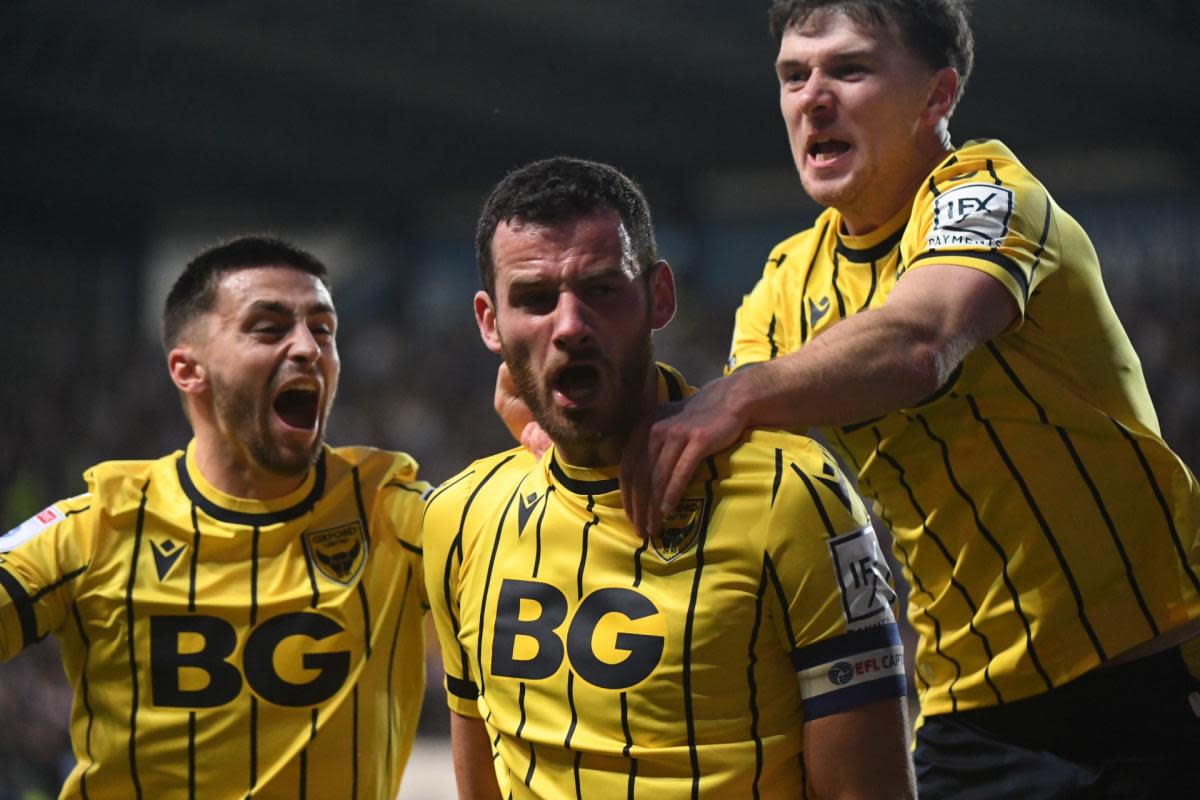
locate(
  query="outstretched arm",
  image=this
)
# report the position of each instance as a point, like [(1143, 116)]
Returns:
[(867, 365), (473, 766)]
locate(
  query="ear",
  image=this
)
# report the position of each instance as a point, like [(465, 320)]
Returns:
[(187, 373), (943, 90), (662, 295), (485, 318)]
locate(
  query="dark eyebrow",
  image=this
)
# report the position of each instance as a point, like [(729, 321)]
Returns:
[(836, 59), (276, 307)]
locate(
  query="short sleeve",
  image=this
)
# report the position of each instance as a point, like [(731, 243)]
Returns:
[(401, 505), (442, 535), (755, 327), (840, 626), (990, 215), (41, 562)]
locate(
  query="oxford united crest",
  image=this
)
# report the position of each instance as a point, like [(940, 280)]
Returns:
[(338, 553), (679, 529)]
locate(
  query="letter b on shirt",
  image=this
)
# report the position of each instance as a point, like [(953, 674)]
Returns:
[(614, 640)]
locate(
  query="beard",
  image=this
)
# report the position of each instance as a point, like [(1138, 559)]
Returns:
[(245, 414), (587, 426)]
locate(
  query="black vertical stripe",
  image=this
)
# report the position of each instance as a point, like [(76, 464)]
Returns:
[(1042, 523), (254, 576), (583, 545), (990, 538), (192, 754), (84, 696), (752, 682), (1012, 376), (1037, 254), (253, 744), (130, 627), (674, 389), (195, 561), (874, 285), (392, 660), (812, 491), (689, 625), (918, 587), (456, 548), (637, 562), (781, 598), (23, 605), (537, 557), (366, 613), (931, 535), (837, 291), (1162, 504), (487, 587), (778, 474), (807, 276), (574, 722), (358, 499), (633, 762), (354, 749), (532, 763), (933, 190), (991, 168), (1112, 528), (303, 773), (520, 705), (771, 336), (312, 574), (575, 769)]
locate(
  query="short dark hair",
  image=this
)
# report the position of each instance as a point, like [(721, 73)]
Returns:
[(937, 31), (556, 190), (195, 290)]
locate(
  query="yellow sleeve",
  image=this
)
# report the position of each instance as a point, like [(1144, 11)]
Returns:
[(826, 564), (987, 214), (41, 563), (443, 538), (756, 334)]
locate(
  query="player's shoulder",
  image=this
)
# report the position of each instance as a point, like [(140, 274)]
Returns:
[(795, 251), (981, 162), (121, 485), (767, 449), (492, 475), (375, 467)]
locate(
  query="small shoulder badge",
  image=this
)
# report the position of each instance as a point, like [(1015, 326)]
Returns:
[(338, 553), (679, 529)]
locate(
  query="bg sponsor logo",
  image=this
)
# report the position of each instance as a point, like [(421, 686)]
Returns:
[(184, 675), (614, 639)]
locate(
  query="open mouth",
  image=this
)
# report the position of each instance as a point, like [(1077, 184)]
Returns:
[(578, 383), (297, 407), (827, 150)]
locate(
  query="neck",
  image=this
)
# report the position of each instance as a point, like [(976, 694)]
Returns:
[(234, 472), (886, 204)]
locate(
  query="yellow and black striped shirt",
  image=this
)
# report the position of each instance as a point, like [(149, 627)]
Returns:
[(222, 647), (605, 665), (1043, 524)]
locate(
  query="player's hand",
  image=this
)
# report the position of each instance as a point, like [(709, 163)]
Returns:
[(661, 458), (516, 415)]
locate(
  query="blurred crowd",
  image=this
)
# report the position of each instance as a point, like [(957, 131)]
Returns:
[(92, 386)]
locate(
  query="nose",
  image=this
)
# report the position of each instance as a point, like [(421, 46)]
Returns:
[(303, 346), (571, 328), (815, 96)]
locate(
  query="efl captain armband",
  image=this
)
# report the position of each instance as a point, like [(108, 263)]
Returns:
[(850, 670)]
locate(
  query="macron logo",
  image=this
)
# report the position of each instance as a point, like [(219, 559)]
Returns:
[(817, 311)]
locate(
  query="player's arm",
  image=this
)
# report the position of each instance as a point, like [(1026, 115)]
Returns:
[(870, 364), (472, 751), (42, 562), (861, 754)]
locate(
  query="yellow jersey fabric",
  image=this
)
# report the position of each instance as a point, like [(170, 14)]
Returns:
[(226, 648), (605, 665), (1043, 525)]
